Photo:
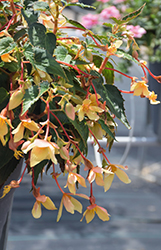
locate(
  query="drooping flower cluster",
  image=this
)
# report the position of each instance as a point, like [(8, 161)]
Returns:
[(57, 90)]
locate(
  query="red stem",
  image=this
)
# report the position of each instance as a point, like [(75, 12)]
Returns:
[(67, 135), (74, 67), (100, 148), (126, 92), (95, 93), (19, 181), (10, 21), (119, 72)]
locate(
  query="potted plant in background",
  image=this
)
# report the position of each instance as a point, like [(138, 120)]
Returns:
[(57, 90)]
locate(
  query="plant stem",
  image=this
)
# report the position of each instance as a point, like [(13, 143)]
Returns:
[(119, 72), (101, 150), (103, 65)]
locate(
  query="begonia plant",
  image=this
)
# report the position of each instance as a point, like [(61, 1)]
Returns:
[(56, 90)]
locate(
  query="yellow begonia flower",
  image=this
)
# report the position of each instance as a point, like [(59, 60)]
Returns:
[(41, 200), (115, 169), (96, 174), (38, 75), (19, 131), (7, 58), (40, 150), (88, 108), (70, 205), (4, 128), (140, 88), (152, 97), (92, 209), (71, 181)]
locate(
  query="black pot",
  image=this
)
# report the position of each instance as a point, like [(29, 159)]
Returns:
[(6, 207)]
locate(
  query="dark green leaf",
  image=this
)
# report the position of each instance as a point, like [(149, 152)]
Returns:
[(30, 16), (50, 42), (76, 24), (12, 66), (7, 44), (106, 128), (19, 34), (83, 131), (112, 96), (32, 95), (3, 94), (29, 3), (116, 103), (37, 32), (29, 53), (38, 168), (107, 73), (47, 63)]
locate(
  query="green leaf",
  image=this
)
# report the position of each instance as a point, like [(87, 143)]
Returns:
[(19, 34), (38, 168), (7, 44), (32, 95), (83, 131), (106, 128), (112, 96), (134, 14), (3, 94), (50, 42), (12, 66), (127, 56), (61, 54), (29, 3), (116, 103), (128, 17), (107, 73), (75, 23), (29, 53), (37, 32), (30, 16), (82, 5), (45, 62), (42, 6)]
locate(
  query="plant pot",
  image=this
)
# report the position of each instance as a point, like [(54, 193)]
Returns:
[(155, 110), (6, 207)]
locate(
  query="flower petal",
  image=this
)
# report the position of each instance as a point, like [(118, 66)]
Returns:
[(108, 181), (38, 155), (77, 205), (60, 210), (68, 204), (102, 213), (89, 215), (48, 204), (36, 211), (122, 176)]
